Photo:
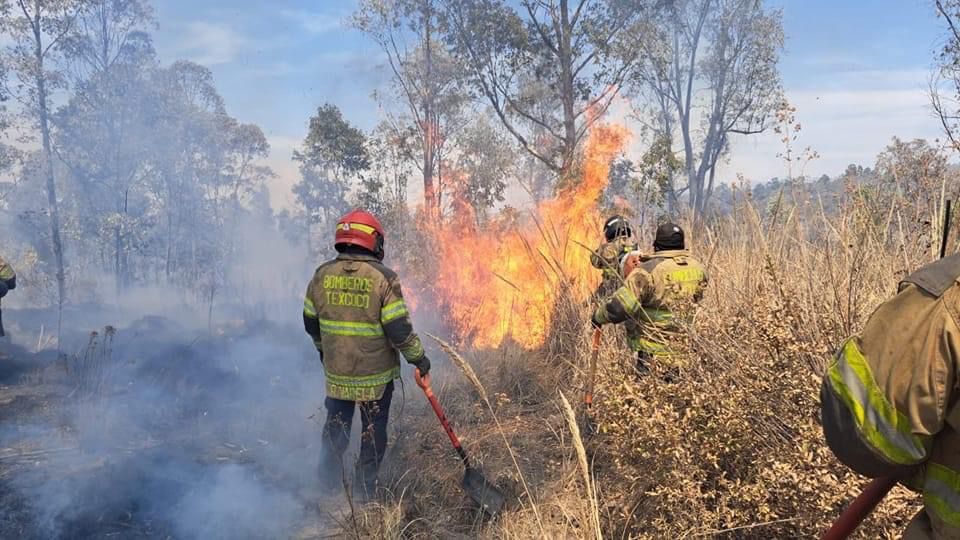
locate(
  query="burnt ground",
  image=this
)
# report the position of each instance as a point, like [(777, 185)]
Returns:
[(152, 431)]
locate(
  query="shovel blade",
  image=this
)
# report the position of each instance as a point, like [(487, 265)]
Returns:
[(482, 492)]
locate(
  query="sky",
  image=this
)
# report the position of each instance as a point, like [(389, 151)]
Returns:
[(856, 70)]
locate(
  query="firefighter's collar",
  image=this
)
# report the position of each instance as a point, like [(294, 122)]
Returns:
[(356, 257), (670, 253)]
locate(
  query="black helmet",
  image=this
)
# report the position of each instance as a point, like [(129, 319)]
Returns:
[(616, 226), (669, 236)]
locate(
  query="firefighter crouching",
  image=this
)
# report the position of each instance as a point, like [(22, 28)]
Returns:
[(8, 282), (890, 403), (654, 287), (355, 313), (619, 241)]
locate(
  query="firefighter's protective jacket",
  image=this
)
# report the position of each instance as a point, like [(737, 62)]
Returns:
[(889, 400), (665, 282), (607, 259), (7, 275), (355, 313)]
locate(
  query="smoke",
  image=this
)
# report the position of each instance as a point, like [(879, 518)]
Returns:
[(165, 429)]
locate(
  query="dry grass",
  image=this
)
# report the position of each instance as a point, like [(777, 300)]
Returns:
[(734, 450)]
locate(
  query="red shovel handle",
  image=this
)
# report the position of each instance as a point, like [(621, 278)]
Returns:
[(594, 351), (424, 384), (860, 508)]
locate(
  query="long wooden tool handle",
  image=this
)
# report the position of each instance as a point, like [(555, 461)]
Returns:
[(853, 515), (435, 404), (594, 352)]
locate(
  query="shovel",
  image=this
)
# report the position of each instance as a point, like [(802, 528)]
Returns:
[(477, 487)]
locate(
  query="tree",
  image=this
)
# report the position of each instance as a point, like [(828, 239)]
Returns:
[(643, 184), (915, 179), (103, 127), (426, 78), (548, 69), (711, 63), (333, 151), (37, 29), (485, 161)]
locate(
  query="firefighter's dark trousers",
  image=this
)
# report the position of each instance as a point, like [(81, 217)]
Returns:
[(373, 439)]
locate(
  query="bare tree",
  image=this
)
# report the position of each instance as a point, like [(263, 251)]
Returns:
[(427, 79), (550, 66), (709, 67)]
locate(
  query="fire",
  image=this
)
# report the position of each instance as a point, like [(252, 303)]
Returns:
[(505, 280)]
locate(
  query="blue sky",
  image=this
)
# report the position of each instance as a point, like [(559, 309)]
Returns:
[(856, 70)]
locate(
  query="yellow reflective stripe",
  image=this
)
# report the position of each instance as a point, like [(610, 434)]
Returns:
[(688, 278), (359, 387), (887, 430), (6, 272), (645, 345), (309, 309), (393, 311), (363, 380), (628, 299), (941, 493), (656, 315), (601, 314), (686, 274), (350, 328), (413, 350), (359, 226)]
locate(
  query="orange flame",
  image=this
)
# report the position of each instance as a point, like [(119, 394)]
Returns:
[(505, 281)]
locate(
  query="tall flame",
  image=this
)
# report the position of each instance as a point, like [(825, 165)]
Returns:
[(505, 281)]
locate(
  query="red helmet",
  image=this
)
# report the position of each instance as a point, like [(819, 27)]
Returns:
[(360, 228)]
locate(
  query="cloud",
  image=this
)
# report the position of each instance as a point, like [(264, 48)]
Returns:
[(842, 126), (211, 44), (314, 22)]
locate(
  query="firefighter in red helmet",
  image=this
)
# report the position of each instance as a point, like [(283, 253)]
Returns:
[(355, 313)]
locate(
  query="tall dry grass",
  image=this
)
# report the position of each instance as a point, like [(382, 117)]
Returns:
[(732, 450)]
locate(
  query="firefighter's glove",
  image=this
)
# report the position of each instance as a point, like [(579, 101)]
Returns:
[(423, 365), (595, 322)]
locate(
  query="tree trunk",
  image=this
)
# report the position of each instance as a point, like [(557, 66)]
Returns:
[(566, 74), (430, 127), (48, 162)]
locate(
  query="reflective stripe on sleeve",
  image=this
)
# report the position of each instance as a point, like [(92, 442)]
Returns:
[(412, 351), (884, 428), (656, 315), (627, 299), (941, 493), (393, 311), (309, 309)]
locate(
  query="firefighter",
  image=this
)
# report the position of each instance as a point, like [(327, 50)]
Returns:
[(619, 240), (654, 288), (890, 403), (355, 313), (8, 282)]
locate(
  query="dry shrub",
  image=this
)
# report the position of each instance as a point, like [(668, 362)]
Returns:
[(732, 450), (735, 448)]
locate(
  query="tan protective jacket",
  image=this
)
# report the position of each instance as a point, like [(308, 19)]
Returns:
[(889, 400), (7, 275), (665, 282), (355, 313)]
